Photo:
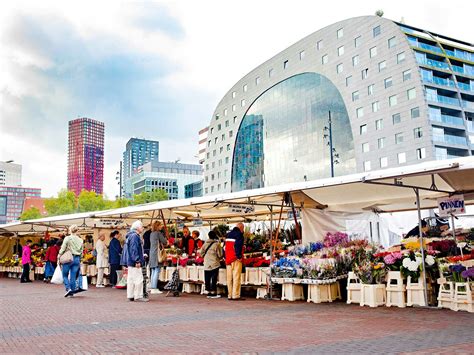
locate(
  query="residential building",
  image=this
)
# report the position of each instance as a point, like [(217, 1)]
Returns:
[(396, 94), (10, 173), (137, 153), (193, 189), (36, 202), (12, 199), (85, 155)]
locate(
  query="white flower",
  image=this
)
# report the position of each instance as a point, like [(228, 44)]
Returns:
[(413, 266), (418, 260), (430, 260), (406, 262)]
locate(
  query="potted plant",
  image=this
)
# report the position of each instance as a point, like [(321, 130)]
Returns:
[(371, 274)]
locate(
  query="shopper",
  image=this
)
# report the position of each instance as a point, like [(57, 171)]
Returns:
[(134, 260), (234, 244), (198, 243), (115, 251), (101, 259), (187, 242), (51, 258), (26, 262), (75, 245), (157, 243), (212, 253)]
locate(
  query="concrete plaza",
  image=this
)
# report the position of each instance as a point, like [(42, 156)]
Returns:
[(36, 318)]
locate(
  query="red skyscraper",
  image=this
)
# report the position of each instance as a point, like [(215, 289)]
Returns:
[(85, 155)]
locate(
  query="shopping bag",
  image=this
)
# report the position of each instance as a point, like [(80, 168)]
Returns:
[(84, 282), (57, 276)]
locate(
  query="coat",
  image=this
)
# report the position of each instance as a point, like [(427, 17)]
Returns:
[(155, 238), (132, 250), (213, 255), (234, 245), (115, 251), (101, 259), (26, 255)]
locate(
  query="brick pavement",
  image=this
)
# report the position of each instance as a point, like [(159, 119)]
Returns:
[(36, 318)]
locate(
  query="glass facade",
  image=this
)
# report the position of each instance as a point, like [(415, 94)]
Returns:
[(282, 136)]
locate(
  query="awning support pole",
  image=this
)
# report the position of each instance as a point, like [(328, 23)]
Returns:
[(271, 251), (420, 233), (279, 220)]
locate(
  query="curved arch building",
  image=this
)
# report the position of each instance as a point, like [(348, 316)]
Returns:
[(395, 95)]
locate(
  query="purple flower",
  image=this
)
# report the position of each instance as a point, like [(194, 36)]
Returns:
[(457, 268), (468, 274)]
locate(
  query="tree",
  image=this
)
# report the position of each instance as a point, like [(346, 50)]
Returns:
[(31, 213), (65, 203), (152, 196), (90, 201)]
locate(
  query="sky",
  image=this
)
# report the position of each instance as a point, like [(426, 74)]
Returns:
[(153, 70)]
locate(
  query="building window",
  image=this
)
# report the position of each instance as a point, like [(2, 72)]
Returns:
[(207, 155), (392, 100), (324, 59), (357, 41), (421, 153), (383, 162), (212, 188), (245, 88), (234, 94), (339, 68), (398, 138), (372, 52), (360, 112), (242, 102), (235, 119), (363, 129), (257, 80), (415, 112), (340, 33), (234, 107), (348, 80), (227, 160), (418, 132), (355, 96), (400, 57), (381, 143), (370, 89), (392, 42), (365, 73), (221, 149), (227, 123), (367, 165), (225, 112), (407, 75), (213, 164), (285, 64), (402, 158), (219, 127), (365, 147), (340, 51), (228, 147), (207, 165), (388, 82), (382, 65), (225, 183), (376, 31), (375, 106), (379, 124), (396, 118), (302, 54), (411, 93), (270, 73), (319, 45), (209, 142), (207, 190), (355, 60), (231, 133)]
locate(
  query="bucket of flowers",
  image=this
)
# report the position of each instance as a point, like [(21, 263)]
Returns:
[(372, 274)]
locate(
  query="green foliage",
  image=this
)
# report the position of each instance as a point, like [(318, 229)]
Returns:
[(65, 203), (221, 230), (147, 197), (90, 201), (31, 213)]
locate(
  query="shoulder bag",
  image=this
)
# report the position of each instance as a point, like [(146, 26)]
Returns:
[(67, 257), (162, 255)]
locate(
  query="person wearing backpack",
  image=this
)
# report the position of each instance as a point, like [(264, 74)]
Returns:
[(211, 251)]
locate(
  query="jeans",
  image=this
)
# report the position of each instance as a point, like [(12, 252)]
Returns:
[(210, 276), (155, 274), (70, 271), (113, 273)]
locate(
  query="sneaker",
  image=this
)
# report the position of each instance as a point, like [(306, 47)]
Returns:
[(131, 299), (216, 296), (142, 300), (99, 286), (155, 291), (68, 293), (238, 299), (80, 290)]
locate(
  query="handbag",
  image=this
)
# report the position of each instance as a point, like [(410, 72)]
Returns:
[(66, 258), (162, 255)]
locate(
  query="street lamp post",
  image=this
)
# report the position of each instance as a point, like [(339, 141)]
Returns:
[(333, 155), (118, 176)]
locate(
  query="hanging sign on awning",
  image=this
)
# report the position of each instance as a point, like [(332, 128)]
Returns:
[(197, 222), (291, 216), (241, 208), (453, 205)]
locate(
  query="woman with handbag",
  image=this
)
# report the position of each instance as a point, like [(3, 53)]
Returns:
[(70, 258), (212, 253), (157, 254)]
